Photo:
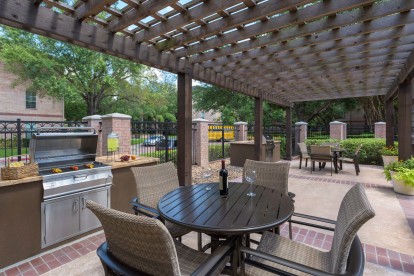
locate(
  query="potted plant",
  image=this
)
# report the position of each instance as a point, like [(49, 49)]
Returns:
[(402, 175), (389, 154)]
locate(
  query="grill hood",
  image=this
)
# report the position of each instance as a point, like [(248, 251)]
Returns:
[(61, 148)]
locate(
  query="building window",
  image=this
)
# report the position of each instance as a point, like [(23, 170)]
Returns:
[(30, 99)]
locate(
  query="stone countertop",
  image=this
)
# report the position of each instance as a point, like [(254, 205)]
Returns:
[(119, 164), (115, 165)]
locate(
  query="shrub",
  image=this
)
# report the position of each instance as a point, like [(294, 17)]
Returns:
[(389, 151), (370, 152), (404, 171), (215, 151)]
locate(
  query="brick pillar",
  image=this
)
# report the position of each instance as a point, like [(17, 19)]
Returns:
[(201, 142), (380, 130), (95, 122), (345, 131), (121, 125), (301, 134), (337, 130), (240, 131)]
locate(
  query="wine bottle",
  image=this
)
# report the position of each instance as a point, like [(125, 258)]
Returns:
[(224, 188)]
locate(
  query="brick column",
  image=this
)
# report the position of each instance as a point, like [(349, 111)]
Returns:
[(345, 131), (240, 131), (201, 142), (380, 130), (95, 122), (337, 130), (121, 125)]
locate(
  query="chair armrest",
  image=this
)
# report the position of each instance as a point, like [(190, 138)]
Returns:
[(144, 209), (278, 260), (217, 257), (314, 218), (313, 224), (113, 263)]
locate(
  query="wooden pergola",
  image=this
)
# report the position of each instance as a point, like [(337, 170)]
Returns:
[(277, 51)]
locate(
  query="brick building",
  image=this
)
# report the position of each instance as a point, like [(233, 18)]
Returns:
[(20, 102)]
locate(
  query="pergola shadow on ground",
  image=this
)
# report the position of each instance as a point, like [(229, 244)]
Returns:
[(277, 51)]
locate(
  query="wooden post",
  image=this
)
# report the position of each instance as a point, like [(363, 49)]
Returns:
[(405, 95), (389, 120), (288, 133), (258, 127), (184, 132)]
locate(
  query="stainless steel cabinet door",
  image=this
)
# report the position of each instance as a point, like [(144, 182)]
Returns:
[(88, 220), (60, 220)]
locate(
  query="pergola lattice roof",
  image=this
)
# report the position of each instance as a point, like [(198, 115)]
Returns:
[(283, 51)]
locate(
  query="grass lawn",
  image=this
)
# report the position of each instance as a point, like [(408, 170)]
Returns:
[(136, 141), (11, 152)]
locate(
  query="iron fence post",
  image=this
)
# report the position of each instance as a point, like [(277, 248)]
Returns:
[(166, 127), (19, 139), (222, 140)]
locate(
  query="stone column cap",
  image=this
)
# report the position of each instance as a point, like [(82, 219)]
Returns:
[(200, 120), (301, 123), (240, 123), (380, 123), (337, 122), (92, 117), (116, 115)]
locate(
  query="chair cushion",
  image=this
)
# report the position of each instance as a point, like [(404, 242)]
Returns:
[(176, 230), (294, 251)]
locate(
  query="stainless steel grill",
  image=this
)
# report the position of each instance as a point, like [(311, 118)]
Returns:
[(63, 212)]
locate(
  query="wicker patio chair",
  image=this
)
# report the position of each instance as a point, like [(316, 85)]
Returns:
[(321, 154), (277, 253), (139, 245), (354, 160), (269, 174), (303, 154), (153, 182)]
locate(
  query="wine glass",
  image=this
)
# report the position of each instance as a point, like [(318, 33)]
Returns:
[(250, 176), (207, 172)]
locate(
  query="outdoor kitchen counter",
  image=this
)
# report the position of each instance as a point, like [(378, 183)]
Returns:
[(141, 160), (20, 207)]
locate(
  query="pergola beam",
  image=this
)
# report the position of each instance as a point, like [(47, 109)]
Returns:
[(24, 14), (406, 74), (183, 19), (92, 8), (376, 31), (317, 11), (236, 19), (148, 8), (376, 11)]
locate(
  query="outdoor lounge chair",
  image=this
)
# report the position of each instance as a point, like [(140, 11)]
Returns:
[(321, 154), (354, 160), (277, 253), (152, 183), (139, 245), (303, 154)]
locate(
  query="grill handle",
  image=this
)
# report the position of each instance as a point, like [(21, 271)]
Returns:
[(40, 129), (78, 177)]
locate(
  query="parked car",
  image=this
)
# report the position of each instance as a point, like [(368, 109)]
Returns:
[(152, 140), (171, 143)]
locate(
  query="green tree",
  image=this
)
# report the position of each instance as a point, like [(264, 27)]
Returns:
[(233, 106), (85, 79)]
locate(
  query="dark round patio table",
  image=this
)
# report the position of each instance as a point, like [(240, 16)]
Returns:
[(201, 208)]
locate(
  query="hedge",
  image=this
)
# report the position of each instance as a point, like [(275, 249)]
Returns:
[(215, 151), (370, 151)]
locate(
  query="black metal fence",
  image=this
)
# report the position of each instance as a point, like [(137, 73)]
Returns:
[(219, 137), (360, 131), (318, 132), (154, 139), (15, 135)]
